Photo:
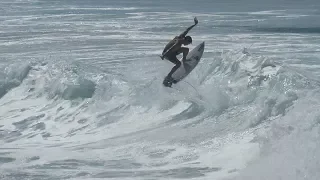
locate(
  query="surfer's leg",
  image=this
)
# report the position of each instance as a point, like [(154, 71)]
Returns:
[(177, 63), (184, 52)]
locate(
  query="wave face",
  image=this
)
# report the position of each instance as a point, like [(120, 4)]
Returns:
[(81, 94)]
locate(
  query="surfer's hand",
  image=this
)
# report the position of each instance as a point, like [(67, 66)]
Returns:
[(195, 20)]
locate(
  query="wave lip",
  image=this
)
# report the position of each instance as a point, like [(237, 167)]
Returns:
[(84, 89), (13, 77), (81, 88)]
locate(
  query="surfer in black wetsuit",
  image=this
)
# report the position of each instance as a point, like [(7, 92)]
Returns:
[(174, 47)]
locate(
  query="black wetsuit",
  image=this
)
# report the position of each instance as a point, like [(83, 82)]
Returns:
[(172, 56)]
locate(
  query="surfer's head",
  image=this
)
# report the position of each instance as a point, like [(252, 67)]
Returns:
[(188, 40)]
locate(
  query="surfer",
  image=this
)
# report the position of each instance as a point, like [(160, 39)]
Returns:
[(174, 48)]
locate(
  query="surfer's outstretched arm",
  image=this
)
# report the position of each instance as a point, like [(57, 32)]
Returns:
[(189, 28)]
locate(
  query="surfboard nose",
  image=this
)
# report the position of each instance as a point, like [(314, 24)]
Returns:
[(201, 47)]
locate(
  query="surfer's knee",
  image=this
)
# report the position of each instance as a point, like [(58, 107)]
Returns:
[(185, 50), (178, 63)]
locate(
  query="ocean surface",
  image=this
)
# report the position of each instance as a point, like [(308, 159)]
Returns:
[(81, 94)]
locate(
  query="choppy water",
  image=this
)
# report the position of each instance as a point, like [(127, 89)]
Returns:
[(81, 93)]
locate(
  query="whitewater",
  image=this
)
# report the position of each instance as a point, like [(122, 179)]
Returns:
[(81, 94)]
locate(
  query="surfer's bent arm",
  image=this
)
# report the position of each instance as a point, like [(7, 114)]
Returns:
[(189, 28)]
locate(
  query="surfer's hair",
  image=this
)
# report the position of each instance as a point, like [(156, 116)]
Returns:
[(189, 39)]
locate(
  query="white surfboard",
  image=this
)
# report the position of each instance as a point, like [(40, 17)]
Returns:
[(190, 63)]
